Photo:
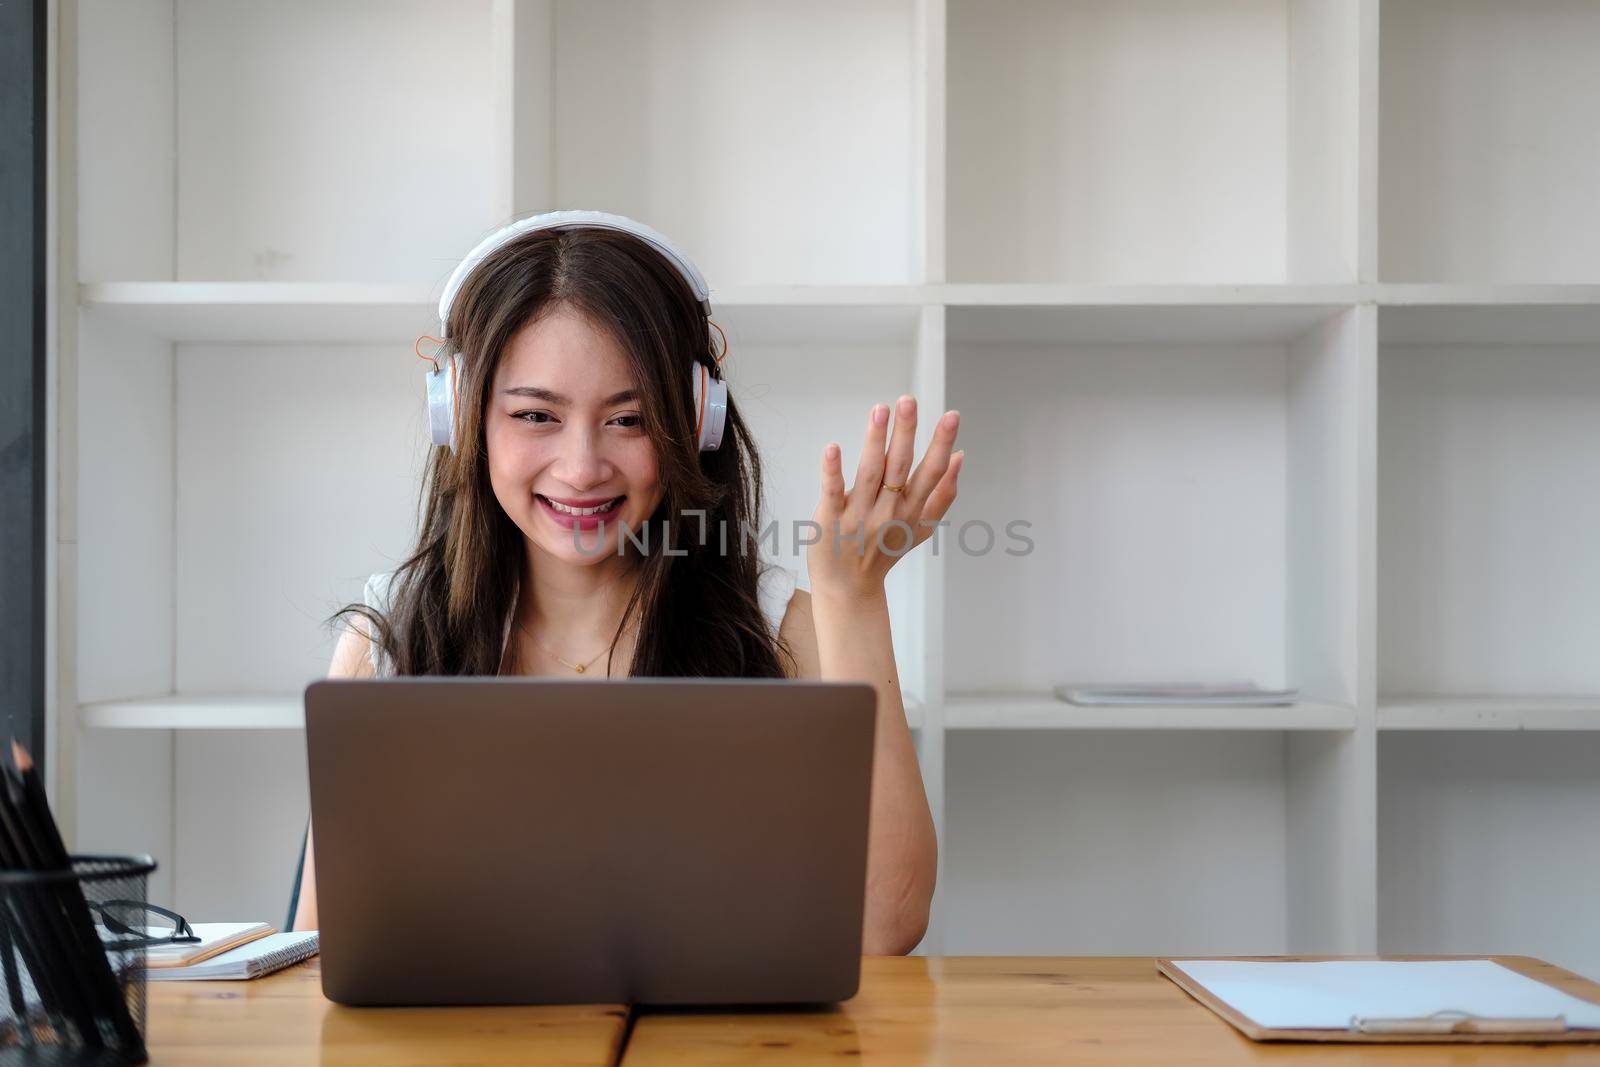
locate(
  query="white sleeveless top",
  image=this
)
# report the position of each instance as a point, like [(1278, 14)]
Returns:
[(774, 589)]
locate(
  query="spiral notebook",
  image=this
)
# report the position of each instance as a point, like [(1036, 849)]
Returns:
[(262, 956)]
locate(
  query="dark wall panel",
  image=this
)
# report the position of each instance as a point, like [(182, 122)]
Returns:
[(22, 370)]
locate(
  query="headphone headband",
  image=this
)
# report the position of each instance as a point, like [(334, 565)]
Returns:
[(555, 220), (710, 395)]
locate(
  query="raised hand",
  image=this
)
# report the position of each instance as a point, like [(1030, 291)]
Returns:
[(890, 509)]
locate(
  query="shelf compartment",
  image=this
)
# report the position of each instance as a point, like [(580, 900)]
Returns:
[(1147, 141), (237, 141), (228, 498), (1489, 713), (1080, 835), (1010, 710), (1192, 502), (801, 380), (1488, 582), (773, 141), (1485, 844), (1487, 162)]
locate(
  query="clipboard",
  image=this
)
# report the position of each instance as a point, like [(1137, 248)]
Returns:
[(1441, 1028)]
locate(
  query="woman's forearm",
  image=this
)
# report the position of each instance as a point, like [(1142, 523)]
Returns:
[(854, 644), (305, 913)]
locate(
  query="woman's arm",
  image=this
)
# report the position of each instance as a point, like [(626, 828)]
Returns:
[(865, 531), (351, 659), (902, 850)]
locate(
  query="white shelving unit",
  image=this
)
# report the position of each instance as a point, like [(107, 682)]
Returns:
[(1292, 371)]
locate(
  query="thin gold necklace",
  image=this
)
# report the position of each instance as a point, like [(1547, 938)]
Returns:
[(579, 667)]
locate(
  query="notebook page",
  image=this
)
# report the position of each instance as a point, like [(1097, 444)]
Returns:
[(211, 935), (1292, 995)]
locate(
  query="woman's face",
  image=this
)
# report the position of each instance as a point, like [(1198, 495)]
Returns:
[(563, 427)]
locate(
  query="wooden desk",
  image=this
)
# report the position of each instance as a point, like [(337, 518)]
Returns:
[(1032, 1010), (283, 1019), (952, 1011)]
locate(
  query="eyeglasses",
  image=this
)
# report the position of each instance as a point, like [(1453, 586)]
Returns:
[(150, 925)]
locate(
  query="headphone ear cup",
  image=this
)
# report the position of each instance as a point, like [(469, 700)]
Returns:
[(442, 387), (710, 406)]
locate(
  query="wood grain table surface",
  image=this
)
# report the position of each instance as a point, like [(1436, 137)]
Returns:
[(283, 1020), (1036, 1010), (949, 1011)]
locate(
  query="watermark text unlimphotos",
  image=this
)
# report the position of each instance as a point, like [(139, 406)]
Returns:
[(975, 537)]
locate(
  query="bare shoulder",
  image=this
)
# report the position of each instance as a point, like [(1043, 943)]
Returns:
[(800, 633), (352, 657)]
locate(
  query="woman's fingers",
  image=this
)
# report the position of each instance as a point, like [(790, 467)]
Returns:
[(869, 473), (935, 462), (832, 479), (902, 445), (943, 494)]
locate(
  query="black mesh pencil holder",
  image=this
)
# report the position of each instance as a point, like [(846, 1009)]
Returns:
[(72, 962)]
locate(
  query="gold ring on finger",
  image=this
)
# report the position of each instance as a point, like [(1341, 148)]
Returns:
[(895, 488)]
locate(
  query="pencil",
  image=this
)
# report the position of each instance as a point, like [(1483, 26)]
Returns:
[(19, 1003), (102, 979), (20, 918), (17, 943), (47, 955)]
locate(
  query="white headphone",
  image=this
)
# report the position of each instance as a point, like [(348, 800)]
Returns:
[(710, 394)]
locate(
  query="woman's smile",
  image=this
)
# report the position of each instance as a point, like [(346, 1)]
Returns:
[(583, 513)]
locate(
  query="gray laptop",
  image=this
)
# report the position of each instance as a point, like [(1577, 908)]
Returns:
[(539, 841)]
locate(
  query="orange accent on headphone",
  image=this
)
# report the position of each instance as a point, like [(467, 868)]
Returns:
[(417, 348), (705, 387), (724, 341)]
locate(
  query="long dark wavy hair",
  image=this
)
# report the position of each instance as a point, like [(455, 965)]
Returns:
[(699, 613)]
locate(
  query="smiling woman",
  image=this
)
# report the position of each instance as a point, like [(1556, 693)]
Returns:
[(565, 528), (566, 341)]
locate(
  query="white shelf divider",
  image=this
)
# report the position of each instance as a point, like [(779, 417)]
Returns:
[(1579, 713), (1003, 710), (265, 312), (1176, 296), (1407, 294), (247, 711), (304, 312), (201, 711)]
